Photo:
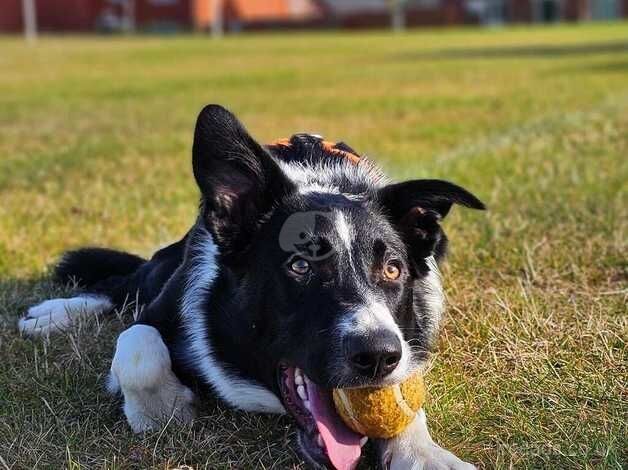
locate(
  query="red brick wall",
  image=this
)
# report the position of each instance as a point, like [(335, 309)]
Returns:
[(520, 11), (574, 10), (148, 12), (449, 13), (53, 15), (68, 15), (81, 15), (11, 16)]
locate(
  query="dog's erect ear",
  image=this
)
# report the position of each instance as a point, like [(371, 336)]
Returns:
[(238, 179), (416, 208)]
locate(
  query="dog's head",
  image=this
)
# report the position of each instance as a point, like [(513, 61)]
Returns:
[(337, 271)]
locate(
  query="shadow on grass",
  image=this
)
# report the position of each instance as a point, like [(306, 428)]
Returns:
[(523, 52), (608, 67), (17, 294)]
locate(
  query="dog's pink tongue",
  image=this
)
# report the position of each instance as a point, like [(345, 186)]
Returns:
[(342, 444)]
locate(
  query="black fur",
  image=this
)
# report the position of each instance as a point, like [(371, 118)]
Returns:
[(88, 266), (239, 182), (251, 309), (417, 207), (123, 277)]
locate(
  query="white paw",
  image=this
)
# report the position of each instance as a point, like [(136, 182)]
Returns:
[(151, 411), (414, 449), (141, 369), (429, 456), (57, 314)]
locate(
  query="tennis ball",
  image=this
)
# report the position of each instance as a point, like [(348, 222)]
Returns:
[(380, 412)]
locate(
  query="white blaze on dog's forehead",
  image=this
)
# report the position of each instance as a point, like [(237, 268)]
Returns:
[(318, 188), (344, 229), (310, 178)]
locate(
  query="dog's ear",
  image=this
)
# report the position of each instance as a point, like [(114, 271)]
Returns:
[(416, 208), (238, 179)]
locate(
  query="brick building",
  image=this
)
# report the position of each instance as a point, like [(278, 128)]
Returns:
[(175, 15), (160, 15)]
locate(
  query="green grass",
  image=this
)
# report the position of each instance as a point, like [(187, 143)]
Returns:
[(531, 370)]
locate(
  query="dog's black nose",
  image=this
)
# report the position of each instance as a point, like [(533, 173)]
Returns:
[(375, 355)]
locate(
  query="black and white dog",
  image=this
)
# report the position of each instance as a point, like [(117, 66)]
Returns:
[(305, 271)]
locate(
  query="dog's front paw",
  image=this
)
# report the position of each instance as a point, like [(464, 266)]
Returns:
[(147, 412), (428, 456), (414, 449), (54, 315), (141, 370)]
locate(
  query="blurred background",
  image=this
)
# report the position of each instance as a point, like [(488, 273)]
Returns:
[(232, 16)]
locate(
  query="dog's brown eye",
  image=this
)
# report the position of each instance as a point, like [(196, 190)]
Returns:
[(391, 271), (300, 267)]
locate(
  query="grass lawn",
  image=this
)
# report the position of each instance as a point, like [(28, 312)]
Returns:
[(532, 366)]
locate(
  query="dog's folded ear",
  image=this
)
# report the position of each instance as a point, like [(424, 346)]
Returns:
[(416, 208), (238, 179)]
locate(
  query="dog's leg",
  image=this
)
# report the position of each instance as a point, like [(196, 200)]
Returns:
[(142, 371), (56, 314), (414, 449)]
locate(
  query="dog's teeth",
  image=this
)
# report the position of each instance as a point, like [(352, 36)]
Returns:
[(319, 441), (363, 441), (302, 393), (306, 404)]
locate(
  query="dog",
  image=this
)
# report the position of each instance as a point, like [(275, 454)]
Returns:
[(306, 270)]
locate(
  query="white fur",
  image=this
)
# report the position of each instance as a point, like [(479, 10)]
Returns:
[(57, 314), (318, 188), (237, 392), (382, 315), (319, 177), (345, 231), (414, 449), (374, 315), (142, 371), (433, 287), (307, 180)]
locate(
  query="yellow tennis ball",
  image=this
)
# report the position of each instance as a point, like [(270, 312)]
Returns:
[(380, 412)]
